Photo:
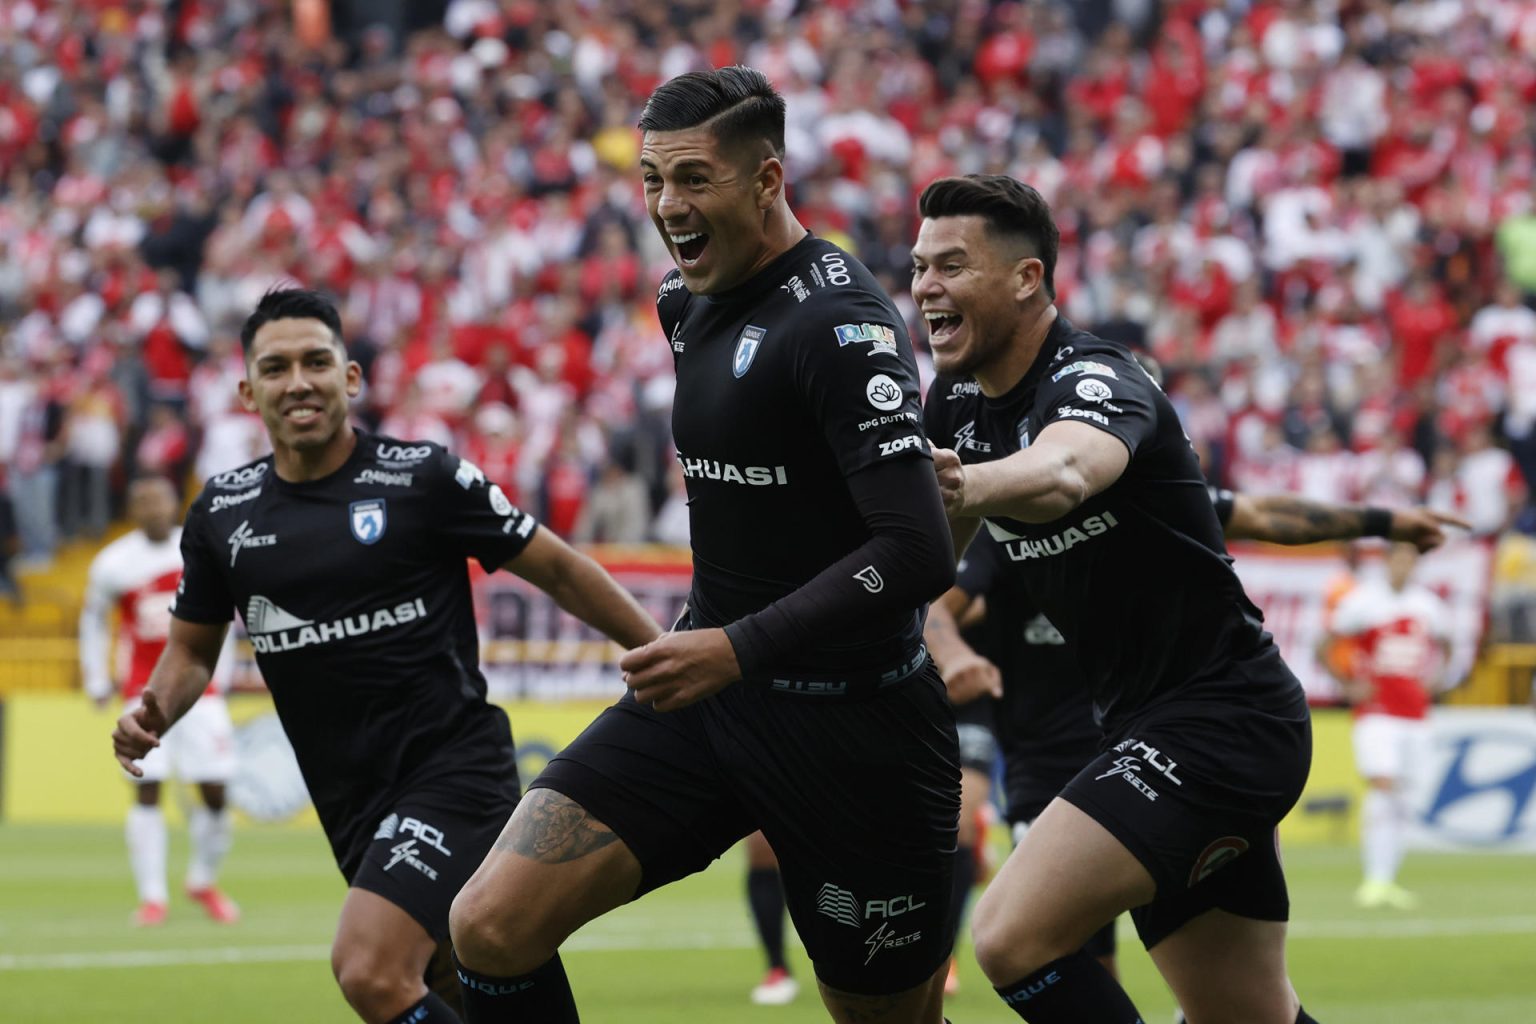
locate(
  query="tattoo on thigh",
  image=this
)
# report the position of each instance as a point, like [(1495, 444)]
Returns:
[(870, 1009), (551, 828)]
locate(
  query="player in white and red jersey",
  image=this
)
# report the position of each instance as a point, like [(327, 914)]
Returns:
[(1400, 634), (138, 575)]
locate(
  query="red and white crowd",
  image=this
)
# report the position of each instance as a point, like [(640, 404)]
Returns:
[(1318, 215)]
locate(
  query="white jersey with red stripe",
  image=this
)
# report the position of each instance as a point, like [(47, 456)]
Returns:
[(1397, 632), (138, 576)]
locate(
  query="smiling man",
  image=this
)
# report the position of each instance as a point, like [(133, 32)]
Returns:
[(795, 696), (1075, 462), (346, 554)]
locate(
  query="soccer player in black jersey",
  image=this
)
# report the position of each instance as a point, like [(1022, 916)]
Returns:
[(1076, 463), (796, 696), (347, 554), (1043, 717)]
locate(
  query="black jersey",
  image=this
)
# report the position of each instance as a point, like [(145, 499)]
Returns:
[(1044, 708), (1137, 578), (786, 385), (355, 591)]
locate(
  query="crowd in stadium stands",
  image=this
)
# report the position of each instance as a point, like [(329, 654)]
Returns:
[(1318, 215)]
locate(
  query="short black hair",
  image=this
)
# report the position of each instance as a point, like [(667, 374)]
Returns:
[(737, 104), (1009, 207), (291, 304)]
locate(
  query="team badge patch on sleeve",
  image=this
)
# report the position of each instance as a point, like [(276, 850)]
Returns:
[(368, 520), (746, 349)]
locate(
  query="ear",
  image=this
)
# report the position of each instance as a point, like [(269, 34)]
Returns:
[(247, 395), (770, 183), (1028, 278), (354, 379)]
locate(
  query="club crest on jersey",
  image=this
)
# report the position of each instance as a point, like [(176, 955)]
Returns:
[(368, 520), (746, 349)]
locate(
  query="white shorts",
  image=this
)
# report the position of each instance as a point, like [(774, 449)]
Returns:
[(1388, 747), (199, 748)]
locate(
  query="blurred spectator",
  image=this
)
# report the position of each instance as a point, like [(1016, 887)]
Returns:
[(492, 442), (32, 468), (1310, 203), (617, 509), (1488, 486), (93, 439), (165, 446)]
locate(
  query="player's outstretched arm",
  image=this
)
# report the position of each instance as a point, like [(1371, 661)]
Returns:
[(582, 587), (180, 677), (967, 675), (1067, 464), (1285, 519)]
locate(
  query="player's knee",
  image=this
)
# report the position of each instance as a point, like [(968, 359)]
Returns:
[(373, 987), (1010, 945), (489, 938)]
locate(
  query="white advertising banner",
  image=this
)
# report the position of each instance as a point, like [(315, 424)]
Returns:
[(1476, 788)]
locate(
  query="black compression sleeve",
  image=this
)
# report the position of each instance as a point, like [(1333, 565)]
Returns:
[(906, 562)]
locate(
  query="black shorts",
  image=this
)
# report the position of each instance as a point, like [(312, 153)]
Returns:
[(1195, 793), (978, 741), (860, 799), (421, 856), (1034, 775)]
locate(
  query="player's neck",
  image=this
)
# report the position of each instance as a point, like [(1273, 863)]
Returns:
[(783, 231), (297, 466), (1018, 354)]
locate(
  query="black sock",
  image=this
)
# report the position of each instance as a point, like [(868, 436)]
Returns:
[(430, 1010), (1070, 990), (765, 895), (960, 893), (542, 996), (1302, 1018)]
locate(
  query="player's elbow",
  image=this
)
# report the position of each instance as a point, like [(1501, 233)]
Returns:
[(1065, 488)]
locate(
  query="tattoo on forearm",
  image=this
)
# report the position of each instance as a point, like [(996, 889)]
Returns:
[(551, 828), (1288, 520)]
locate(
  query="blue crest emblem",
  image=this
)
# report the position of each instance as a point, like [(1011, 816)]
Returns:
[(368, 520), (746, 348)]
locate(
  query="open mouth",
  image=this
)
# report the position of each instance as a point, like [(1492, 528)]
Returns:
[(690, 247), (942, 325), (302, 414)]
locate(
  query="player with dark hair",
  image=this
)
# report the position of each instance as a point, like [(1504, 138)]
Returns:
[(795, 697), (1043, 716), (137, 576), (1077, 465), (346, 553)]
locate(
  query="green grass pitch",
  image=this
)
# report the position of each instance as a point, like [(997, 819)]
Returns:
[(68, 954)]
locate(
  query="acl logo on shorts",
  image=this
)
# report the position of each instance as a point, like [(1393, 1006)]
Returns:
[(407, 852), (842, 906), (838, 904), (1149, 757)]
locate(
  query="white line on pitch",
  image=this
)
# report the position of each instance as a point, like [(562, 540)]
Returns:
[(1387, 928)]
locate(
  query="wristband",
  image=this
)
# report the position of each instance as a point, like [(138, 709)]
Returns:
[(1376, 522)]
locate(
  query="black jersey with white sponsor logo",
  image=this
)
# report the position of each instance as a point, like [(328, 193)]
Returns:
[(355, 591), (1044, 712), (786, 385), (1137, 578)]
